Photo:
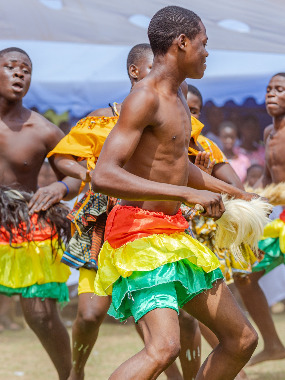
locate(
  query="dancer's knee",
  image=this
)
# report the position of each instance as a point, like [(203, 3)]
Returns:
[(165, 352), (243, 344), (90, 318), (39, 321), (249, 342)]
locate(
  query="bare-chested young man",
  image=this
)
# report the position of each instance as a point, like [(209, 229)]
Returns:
[(145, 160), (25, 139), (253, 296), (92, 309)]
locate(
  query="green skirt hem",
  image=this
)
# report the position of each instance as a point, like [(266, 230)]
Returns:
[(55, 290), (273, 256), (189, 280)]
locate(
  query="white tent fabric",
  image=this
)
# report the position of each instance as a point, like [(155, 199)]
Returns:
[(79, 48), (117, 22)]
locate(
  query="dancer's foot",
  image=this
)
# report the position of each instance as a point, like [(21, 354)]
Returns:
[(266, 354)]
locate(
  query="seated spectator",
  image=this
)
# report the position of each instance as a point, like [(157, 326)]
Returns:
[(250, 144), (254, 172), (239, 161)]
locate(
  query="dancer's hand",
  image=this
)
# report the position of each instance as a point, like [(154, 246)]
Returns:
[(204, 163), (249, 196), (86, 176), (211, 202), (47, 196)]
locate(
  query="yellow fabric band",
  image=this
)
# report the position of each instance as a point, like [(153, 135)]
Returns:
[(31, 263), (276, 229), (149, 253)]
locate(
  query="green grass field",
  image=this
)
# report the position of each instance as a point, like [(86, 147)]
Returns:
[(22, 356)]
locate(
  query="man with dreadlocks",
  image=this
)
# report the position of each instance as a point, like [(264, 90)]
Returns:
[(31, 228)]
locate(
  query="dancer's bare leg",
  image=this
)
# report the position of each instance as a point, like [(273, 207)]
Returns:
[(91, 312), (257, 306), (160, 328), (190, 340), (43, 318), (218, 310), (172, 372), (208, 335), (213, 341)]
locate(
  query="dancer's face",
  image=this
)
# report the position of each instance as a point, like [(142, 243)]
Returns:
[(194, 104), (15, 75), (196, 54), (275, 96), (228, 137)]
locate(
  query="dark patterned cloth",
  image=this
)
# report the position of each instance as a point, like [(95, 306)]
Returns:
[(89, 215)]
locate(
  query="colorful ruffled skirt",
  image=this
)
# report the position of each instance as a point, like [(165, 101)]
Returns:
[(273, 245), (30, 265), (147, 261)]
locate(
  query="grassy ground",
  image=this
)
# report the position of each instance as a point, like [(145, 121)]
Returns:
[(22, 356)]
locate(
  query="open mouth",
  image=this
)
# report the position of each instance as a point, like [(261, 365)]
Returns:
[(18, 86)]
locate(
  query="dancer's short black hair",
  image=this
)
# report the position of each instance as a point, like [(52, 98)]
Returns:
[(194, 90), (136, 53), (12, 49), (279, 74), (168, 23)]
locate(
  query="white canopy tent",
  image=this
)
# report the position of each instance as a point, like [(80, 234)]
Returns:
[(79, 48)]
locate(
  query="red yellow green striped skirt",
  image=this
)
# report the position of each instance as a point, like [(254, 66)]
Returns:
[(30, 263), (148, 261)]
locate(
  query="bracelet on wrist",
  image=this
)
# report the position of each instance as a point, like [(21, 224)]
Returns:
[(67, 188)]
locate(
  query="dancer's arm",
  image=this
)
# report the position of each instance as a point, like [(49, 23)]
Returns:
[(67, 165), (226, 173), (203, 181)]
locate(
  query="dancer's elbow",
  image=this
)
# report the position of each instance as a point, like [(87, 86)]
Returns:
[(102, 181)]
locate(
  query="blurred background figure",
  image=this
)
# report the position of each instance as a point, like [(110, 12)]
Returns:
[(250, 140), (254, 172), (238, 160)]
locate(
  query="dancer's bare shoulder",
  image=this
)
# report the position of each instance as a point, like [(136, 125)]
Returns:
[(140, 107), (267, 131), (50, 133)]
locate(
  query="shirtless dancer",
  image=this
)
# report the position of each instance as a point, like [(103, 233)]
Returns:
[(250, 291), (139, 63), (91, 308), (25, 139), (253, 296), (144, 150)]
